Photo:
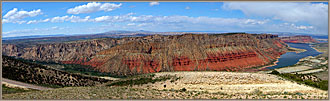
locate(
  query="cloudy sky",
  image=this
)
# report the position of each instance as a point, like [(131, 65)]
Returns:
[(50, 18)]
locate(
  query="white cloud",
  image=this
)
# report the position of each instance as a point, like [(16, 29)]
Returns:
[(37, 21), (15, 16), (13, 21), (66, 18), (93, 7), (32, 22), (10, 13), (311, 13), (5, 21), (121, 18), (130, 24), (153, 3), (55, 27), (187, 7), (304, 27), (59, 19), (253, 22), (131, 21), (178, 22), (72, 18), (181, 23), (35, 31), (78, 19), (296, 27)]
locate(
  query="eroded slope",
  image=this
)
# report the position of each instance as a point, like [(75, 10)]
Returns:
[(189, 52)]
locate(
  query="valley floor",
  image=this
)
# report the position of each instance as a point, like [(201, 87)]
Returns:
[(189, 85)]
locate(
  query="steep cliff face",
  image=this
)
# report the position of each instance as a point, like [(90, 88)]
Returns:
[(37, 74), (138, 55), (299, 39), (236, 52), (68, 52), (73, 52)]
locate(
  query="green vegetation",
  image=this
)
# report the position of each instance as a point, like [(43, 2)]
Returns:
[(71, 68), (183, 89), (139, 80), (86, 70), (228, 33), (323, 84), (290, 49), (32, 65), (322, 47), (9, 90), (50, 86)]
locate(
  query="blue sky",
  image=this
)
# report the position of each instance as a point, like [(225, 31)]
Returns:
[(46, 18)]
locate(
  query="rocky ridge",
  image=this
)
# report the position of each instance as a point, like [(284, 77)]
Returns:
[(37, 74), (156, 53), (190, 52)]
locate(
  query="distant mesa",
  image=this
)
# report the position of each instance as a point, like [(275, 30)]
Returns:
[(299, 39)]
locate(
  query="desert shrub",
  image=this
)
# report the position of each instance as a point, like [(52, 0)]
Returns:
[(275, 72), (172, 81), (140, 81), (285, 92), (183, 89), (87, 70), (9, 90), (296, 77), (298, 93), (323, 84), (257, 91), (311, 83)]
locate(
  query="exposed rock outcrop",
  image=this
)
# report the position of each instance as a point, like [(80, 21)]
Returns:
[(228, 52), (156, 53), (70, 52), (310, 77), (299, 39), (37, 74)]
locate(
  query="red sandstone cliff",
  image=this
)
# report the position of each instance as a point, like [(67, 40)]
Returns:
[(236, 52), (66, 52), (299, 39), (138, 55)]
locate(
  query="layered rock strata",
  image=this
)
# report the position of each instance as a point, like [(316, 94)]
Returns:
[(156, 53), (299, 39), (237, 52)]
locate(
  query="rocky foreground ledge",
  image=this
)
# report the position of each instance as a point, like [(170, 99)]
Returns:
[(189, 85)]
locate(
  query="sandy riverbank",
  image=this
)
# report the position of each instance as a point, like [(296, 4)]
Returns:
[(297, 50), (264, 68), (316, 49)]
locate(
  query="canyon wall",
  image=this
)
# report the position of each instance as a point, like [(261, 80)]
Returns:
[(66, 52), (299, 39), (156, 53), (236, 52)]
